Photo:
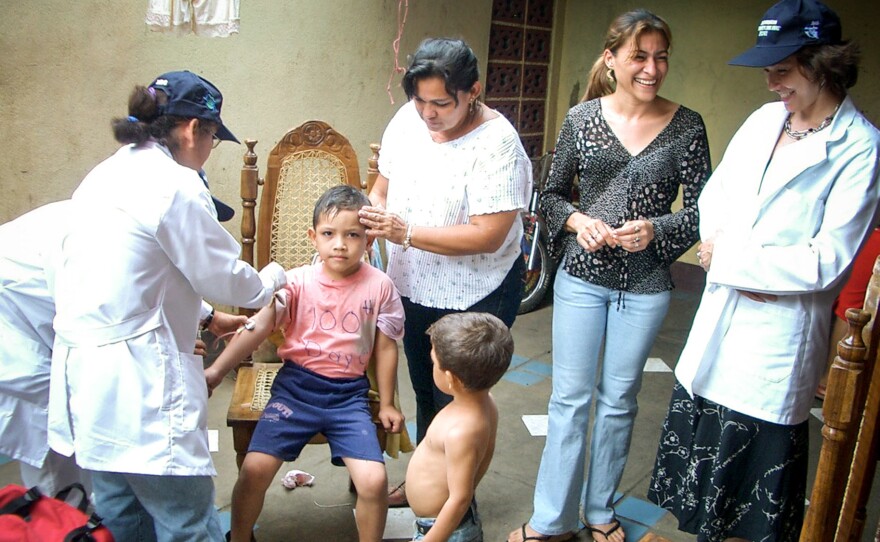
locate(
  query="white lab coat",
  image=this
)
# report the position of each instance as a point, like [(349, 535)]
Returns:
[(27, 246), (792, 230), (128, 394)]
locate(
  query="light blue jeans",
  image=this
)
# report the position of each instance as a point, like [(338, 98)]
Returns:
[(147, 508), (470, 530), (585, 315)]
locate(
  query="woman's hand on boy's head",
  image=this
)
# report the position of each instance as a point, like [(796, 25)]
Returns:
[(381, 223), (391, 418)]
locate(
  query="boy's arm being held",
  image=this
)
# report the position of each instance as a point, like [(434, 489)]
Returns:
[(462, 451), (385, 352), (242, 344)]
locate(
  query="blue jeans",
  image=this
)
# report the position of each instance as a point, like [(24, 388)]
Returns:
[(585, 316), (503, 302), (148, 508), (470, 529)]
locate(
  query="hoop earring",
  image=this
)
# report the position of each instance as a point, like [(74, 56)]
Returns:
[(472, 106)]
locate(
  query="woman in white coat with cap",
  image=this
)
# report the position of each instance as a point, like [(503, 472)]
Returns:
[(781, 220), (143, 248)]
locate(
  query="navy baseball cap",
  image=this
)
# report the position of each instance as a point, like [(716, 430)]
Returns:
[(192, 96), (786, 28)]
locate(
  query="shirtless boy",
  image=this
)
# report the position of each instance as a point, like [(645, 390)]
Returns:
[(471, 351)]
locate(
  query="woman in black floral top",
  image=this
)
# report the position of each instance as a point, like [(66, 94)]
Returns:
[(627, 150)]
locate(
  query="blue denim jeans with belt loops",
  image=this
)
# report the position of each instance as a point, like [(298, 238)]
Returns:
[(584, 317)]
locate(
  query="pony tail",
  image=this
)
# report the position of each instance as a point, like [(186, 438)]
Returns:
[(143, 109), (598, 81)]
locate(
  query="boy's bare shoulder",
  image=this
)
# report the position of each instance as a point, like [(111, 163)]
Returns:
[(469, 422)]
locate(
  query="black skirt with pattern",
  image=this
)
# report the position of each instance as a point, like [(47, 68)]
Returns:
[(723, 474)]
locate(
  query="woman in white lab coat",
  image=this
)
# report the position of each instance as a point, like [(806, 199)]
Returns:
[(781, 219), (28, 246), (143, 248)]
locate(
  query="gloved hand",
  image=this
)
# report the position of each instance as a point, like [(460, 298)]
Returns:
[(273, 274)]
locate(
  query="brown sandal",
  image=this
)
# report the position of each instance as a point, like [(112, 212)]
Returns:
[(397, 496)]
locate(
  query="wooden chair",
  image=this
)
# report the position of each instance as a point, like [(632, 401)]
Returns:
[(308, 160), (848, 458)]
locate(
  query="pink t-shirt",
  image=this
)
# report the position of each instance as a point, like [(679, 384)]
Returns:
[(330, 325)]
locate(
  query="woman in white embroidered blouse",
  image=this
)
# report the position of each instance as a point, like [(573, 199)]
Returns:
[(453, 179)]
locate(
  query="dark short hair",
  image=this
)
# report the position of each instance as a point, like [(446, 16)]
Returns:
[(449, 59), (476, 347), (836, 66), (341, 197)]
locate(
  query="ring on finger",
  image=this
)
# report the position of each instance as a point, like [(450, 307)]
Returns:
[(638, 239)]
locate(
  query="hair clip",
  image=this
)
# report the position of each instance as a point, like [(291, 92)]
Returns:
[(133, 119)]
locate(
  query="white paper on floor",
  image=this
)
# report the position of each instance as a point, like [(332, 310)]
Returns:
[(817, 412), (536, 424), (656, 365), (399, 525), (213, 440)]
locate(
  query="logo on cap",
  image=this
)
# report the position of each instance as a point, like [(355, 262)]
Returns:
[(210, 102), (812, 30), (767, 26)]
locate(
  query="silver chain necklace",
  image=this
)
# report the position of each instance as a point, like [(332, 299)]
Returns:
[(797, 135)]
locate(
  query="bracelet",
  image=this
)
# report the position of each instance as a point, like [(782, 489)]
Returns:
[(207, 321), (407, 240)]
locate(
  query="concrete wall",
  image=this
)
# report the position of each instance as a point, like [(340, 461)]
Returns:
[(68, 66), (706, 34), (67, 69)]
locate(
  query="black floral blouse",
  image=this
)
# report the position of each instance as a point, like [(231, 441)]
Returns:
[(616, 186)]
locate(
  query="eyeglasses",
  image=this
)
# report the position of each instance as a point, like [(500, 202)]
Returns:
[(217, 141)]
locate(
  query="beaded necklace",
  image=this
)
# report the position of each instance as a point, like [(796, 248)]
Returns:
[(797, 135)]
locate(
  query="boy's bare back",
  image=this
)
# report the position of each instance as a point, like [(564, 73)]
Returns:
[(454, 455)]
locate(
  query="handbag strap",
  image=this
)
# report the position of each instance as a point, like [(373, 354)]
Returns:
[(21, 506), (84, 533), (84, 497)]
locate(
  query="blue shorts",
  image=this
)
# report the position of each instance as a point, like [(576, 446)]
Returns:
[(304, 403)]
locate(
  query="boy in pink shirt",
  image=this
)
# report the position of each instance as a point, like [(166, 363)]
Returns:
[(335, 314)]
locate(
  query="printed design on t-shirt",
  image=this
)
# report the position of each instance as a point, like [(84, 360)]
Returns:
[(275, 410), (350, 323)]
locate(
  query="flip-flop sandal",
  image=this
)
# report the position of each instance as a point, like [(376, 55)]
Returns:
[(545, 537), (615, 525), (400, 489)]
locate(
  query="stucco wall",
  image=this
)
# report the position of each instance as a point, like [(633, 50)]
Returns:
[(706, 34), (68, 67)]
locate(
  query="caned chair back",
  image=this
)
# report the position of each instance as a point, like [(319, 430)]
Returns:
[(306, 162)]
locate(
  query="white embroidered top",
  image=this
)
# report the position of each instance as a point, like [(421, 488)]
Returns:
[(432, 184)]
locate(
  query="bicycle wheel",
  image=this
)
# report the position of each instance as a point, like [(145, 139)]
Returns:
[(538, 281)]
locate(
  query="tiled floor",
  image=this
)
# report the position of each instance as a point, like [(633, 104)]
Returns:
[(324, 512)]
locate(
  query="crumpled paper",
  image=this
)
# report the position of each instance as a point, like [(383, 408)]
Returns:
[(297, 478)]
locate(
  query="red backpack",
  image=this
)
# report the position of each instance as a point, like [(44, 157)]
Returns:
[(26, 515)]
